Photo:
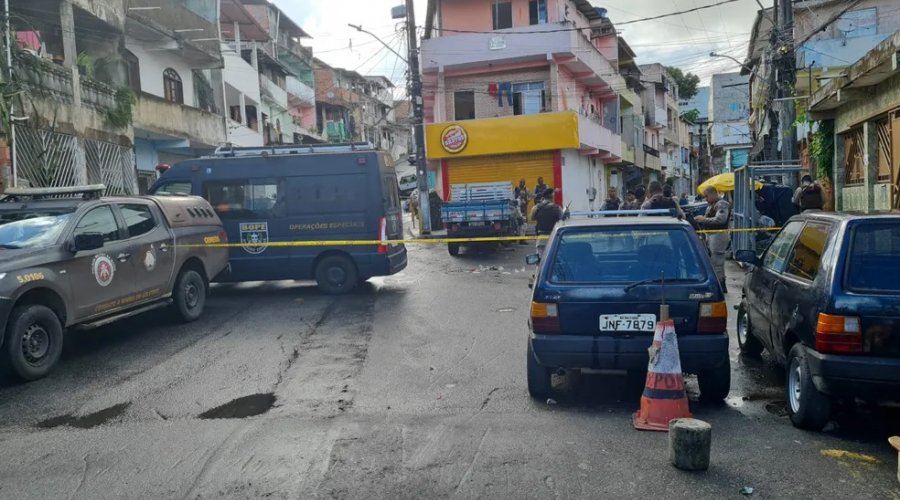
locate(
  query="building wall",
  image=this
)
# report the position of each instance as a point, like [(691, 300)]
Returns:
[(476, 15), (885, 96), (729, 96), (811, 14), (700, 102), (240, 75), (153, 64), (145, 155), (486, 106)]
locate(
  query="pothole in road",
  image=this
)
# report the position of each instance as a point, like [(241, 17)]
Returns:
[(243, 407), (777, 408), (86, 421)]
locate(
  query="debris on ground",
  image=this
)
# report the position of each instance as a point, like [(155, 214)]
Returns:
[(859, 457), (746, 491), (551, 401)]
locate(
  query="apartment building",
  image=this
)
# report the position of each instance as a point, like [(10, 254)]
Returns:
[(502, 107), (662, 143), (339, 99), (729, 130), (172, 57), (76, 128)]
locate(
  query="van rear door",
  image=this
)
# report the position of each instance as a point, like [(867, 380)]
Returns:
[(393, 213)]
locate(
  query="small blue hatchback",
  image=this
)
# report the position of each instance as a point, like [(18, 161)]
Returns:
[(597, 294)]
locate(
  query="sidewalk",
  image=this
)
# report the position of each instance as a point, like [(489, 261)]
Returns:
[(412, 233)]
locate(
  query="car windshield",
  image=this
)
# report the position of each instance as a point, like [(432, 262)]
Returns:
[(625, 255), (875, 258), (32, 228)]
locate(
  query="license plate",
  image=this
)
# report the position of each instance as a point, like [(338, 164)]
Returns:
[(627, 322)]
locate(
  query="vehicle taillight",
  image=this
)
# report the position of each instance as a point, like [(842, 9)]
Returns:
[(382, 233), (544, 318), (838, 334), (713, 318)]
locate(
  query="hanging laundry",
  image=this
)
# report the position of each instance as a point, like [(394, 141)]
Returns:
[(492, 89), (507, 88)]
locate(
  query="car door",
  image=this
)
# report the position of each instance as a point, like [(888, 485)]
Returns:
[(101, 280), (795, 295), (151, 246), (765, 280)]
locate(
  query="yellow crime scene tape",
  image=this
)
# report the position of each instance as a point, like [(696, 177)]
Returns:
[(427, 241)]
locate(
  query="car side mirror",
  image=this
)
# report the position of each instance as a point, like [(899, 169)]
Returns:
[(746, 256), (533, 259), (87, 241)]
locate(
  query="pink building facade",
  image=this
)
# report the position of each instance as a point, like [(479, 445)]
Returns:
[(520, 59)]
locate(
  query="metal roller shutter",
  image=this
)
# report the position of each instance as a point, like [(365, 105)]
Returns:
[(511, 167)]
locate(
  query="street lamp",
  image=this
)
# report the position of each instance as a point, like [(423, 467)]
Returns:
[(748, 68)]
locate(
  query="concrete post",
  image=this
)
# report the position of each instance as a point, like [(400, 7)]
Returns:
[(839, 171), (70, 51), (243, 105), (870, 133)]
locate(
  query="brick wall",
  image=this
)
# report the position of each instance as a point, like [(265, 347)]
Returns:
[(486, 106)]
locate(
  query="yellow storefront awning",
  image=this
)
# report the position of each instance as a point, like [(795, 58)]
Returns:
[(494, 136)]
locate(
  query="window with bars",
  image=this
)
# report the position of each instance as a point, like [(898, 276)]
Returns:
[(883, 130), (854, 157), (172, 86)]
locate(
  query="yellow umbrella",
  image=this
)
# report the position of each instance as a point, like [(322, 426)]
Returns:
[(722, 182)]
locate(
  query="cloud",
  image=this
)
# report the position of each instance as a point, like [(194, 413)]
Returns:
[(684, 41)]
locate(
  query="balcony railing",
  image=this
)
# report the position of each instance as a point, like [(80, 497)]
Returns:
[(651, 151), (593, 135), (271, 91), (179, 121), (572, 48), (299, 90)]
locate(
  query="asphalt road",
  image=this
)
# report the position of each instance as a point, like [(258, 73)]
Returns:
[(414, 386)]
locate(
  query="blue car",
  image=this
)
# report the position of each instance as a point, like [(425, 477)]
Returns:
[(597, 294), (824, 300), (270, 197)]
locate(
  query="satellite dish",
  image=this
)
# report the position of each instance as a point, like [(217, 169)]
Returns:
[(846, 25)]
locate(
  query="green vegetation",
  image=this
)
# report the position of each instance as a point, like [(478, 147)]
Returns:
[(687, 82)]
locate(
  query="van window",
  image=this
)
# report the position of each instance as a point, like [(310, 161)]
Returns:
[(327, 193), (246, 199), (875, 258), (390, 193), (174, 187)]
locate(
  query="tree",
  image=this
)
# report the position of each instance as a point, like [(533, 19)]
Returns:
[(691, 116), (687, 82)]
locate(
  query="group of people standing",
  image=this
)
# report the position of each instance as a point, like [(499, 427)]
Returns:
[(659, 196)]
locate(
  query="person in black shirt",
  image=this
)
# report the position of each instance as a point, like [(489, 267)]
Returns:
[(545, 214)]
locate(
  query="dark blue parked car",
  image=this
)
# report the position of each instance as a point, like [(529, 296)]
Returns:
[(300, 193), (597, 294), (824, 300)]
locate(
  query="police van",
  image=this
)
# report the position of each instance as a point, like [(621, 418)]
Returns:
[(300, 193)]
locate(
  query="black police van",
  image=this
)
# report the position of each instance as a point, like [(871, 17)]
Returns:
[(322, 193)]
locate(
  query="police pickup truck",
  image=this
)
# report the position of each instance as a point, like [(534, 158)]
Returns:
[(70, 257)]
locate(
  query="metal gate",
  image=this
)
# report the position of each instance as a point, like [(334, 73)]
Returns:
[(745, 213), (50, 159)]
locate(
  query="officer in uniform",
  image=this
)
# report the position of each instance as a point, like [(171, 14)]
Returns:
[(545, 214), (717, 216)]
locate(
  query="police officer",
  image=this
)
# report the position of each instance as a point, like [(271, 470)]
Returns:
[(612, 202), (717, 216), (546, 214), (658, 200)]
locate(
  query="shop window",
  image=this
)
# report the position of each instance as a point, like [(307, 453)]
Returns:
[(174, 89), (464, 105), (502, 15)]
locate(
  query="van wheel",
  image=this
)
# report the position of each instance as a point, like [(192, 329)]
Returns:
[(336, 275), (716, 383), (189, 295), (807, 407), (540, 384), (34, 341), (750, 346), (453, 248)]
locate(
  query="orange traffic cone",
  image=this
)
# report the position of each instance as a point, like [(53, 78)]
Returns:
[(664, 398)]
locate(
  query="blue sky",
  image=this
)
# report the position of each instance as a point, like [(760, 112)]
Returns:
[(684, 41)]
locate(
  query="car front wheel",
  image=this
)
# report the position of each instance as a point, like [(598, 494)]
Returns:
[(750, 346), (807, 407), (715, 383), (34, 340), (539, 378), (189, 295)]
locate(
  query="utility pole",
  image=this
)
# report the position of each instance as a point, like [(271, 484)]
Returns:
[(415, 94), (786, 80)]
